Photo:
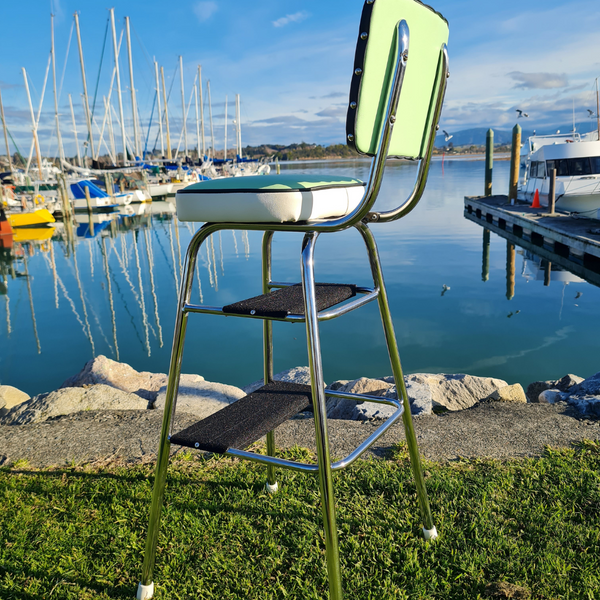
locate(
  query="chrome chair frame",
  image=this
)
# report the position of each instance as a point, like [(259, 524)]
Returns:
[(324, 467)]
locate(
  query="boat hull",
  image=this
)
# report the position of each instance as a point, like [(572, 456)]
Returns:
[(31, 219)]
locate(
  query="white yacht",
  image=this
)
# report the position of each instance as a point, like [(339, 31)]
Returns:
[(576, 158)]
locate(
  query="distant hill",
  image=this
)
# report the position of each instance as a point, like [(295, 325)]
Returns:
[(476, 136)]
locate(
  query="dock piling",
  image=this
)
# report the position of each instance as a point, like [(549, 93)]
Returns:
[(515, 157), (489, 161), (485, 267), (552, 192)]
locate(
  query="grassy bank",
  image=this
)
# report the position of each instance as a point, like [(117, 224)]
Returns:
[(522, 529)]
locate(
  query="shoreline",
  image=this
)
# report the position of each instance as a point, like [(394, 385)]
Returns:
[(124, 426)]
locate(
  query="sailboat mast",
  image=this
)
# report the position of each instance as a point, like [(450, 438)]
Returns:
[(34, 126), (58, 138), (160, 129), (162, 75), (201, 109), (238, 120), (597, 110), (116, 53), (197, 122), (225, 146), (75, 131), (212, 131), (10, 166), (136, 140), (88, 117), (185, 140)]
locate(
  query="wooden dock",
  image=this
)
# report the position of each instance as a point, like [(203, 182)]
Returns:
[(571, 242)]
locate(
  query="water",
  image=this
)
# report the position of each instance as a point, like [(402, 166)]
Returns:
[(115, 294)]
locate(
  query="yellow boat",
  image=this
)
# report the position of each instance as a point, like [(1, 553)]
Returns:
[(30, 219), (32, 234)]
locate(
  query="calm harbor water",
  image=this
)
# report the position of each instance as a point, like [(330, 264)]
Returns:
[(113, 291)]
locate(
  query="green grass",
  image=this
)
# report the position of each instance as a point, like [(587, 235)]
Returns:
[(522, 529)]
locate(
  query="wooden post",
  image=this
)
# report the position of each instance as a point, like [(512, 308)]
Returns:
[(515, 161), (552, 192), (547, 271), (88, 200), (510, 271), (489, 161), (485, 267)]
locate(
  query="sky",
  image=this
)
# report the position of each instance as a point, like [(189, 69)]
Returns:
[(291, 63)]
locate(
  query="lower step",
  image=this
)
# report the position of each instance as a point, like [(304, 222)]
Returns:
[(290, 301), (247, 420)]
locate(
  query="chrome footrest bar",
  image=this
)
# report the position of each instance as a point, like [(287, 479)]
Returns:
[(313, 468)]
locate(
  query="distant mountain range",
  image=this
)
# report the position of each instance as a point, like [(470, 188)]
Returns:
[(476, 136)]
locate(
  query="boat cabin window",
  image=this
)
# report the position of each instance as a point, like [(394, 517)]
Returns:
[(575, 166), (537, 169)]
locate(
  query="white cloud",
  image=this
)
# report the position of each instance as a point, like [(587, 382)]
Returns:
[(204, 10), (539, 81), (295, 18)]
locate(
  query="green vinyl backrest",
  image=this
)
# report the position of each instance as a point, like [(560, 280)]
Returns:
[(374, 62)]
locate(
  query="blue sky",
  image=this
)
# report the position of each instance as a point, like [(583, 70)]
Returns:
[(291, 63)]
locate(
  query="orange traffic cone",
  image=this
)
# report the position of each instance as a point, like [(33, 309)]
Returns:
[(536, 200)]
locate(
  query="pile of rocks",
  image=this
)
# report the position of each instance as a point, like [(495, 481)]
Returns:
[(104, 384)]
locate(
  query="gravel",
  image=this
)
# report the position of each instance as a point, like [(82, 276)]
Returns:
[(488, 430)]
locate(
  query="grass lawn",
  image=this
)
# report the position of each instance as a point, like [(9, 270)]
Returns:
[(511, 529)]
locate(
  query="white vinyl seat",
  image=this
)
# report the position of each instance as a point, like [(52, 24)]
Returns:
[(282, 198)]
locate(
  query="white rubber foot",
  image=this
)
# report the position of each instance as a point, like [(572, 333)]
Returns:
[(145, 592), (430, 534), (272, 489)]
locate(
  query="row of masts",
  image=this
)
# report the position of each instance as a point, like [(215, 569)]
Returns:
[(134, 146)]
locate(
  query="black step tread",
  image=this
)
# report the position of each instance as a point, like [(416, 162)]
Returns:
[(240, 424), (290, 300)]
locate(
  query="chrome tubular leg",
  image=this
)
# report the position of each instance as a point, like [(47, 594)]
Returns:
[(146, 587), (388, 327), (268, 352), (320, 415)]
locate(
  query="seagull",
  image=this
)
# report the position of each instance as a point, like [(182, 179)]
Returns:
[(447, 136), (592, 114), (579, 294), (521, 113), (445, 288)]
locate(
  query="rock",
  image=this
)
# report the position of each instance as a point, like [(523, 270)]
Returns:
[(564, 384), (295, 375), (11, 397), (550, 396), (118, 375), (425, 392), (509, 393), (71, 400), (536, 388), (340, 408), (199, 397), (589, 387), (585, 396)]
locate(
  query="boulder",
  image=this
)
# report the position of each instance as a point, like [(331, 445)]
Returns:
[(340, 408), (585, 396), (294, 375), (509, 393), (589, 386), (10, 397), (550, 396), (118, 375), (564, 384), (426, 392), (71, 400), (199, 397)]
